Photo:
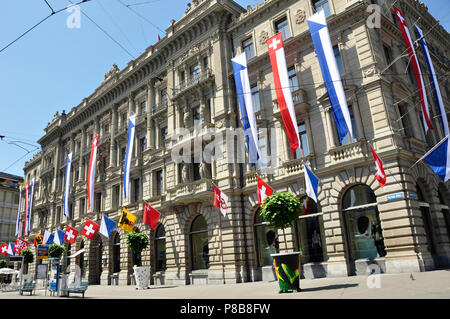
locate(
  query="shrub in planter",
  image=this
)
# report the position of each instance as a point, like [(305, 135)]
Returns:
[(3, 263), (137, 242), (56, 251), (281, 210), (27, 256)]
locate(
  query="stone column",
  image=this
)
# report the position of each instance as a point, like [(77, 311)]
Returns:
[(112, 153), (359, 132), (309, 134), (328, 120), (149, 114)]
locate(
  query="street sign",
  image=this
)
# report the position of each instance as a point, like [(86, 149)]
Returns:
[(42, 252), (15, 258), (41, 271)]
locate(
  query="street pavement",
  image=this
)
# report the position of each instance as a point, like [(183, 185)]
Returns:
[(422, 285)]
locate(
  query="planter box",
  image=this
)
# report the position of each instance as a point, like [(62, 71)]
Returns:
[(142, 277), (287, 268)]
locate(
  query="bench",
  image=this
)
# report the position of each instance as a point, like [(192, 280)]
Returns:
[(28, 286), (77, 287)]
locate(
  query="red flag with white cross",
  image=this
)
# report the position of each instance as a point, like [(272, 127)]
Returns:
[(90, 229), (4, 249), (264, 191), (381, 175), (70, 235)]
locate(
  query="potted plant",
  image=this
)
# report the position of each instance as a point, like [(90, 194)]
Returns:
[(137, 242), (27, 258), (281, 210), (56, 251), (3, 263)]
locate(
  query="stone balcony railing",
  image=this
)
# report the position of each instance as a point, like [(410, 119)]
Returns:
[(347, 152), (158, 108), (197, 79), (47, 170)]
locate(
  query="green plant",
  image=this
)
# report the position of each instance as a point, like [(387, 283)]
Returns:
[(137, 242), (56, 251), (27, 256), (281, 209), (3, 263)]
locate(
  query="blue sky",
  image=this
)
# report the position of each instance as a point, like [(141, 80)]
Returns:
[(54, 67)]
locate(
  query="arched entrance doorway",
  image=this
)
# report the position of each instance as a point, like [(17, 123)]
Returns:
[(116, 254), (365, 241), (199, 243), (95, 260)]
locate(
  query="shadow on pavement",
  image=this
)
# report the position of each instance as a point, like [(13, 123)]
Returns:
[(329, 287)]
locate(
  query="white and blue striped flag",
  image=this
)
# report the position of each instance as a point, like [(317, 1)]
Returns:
[(246, 105), (434, 81), (67, 186), (312, 184), (107, 226), (128, 155), (438, 158), (321, 38), (48, 238), (30, 206), (18, 213), (59, 237)]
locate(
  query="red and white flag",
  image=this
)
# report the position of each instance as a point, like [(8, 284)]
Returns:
[(381, 175), (70, 235), (282, 89), (220, 200), (4, 249), (151, 216), (416, 68), (20, 245), (91, 173), (90, 229), (264, 191)]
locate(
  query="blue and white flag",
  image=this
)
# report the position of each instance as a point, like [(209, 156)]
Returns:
[(321, 38), (107, 226), (59, 237), (312, 184), (128, 155), (434, 81), (48, 238), (246, 105), (10, 250), (67, 186), (30, 207), (438, 158), (18, 213)]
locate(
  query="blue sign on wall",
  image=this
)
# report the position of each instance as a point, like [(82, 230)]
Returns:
[(394, 196)]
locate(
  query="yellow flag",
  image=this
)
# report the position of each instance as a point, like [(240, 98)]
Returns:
[(127, 220)]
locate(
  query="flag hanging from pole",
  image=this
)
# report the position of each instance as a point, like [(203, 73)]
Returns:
[(48, 238), (282, 89), (4, 249), (30, 207), (312, 183), (37, 240), (381, 175), (416, 68), (71, 234), (220, 200), (11, 249), (127, 220), (25, 214), (59, 237), (107, 226), (128, 155), (264, 190), (151, 216), (322, 43), (90, 229), (434, 81), (20, 245), (438, 158), (18, 212), (67, 186), (246, 105), (91, 176)]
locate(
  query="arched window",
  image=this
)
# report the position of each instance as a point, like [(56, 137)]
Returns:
[(445, 211), (266, 240), (310, 232), (362, 221), (199, 243), (160, 248), (116, 253)]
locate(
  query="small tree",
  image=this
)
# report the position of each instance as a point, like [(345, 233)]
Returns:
[(27, 256), (137, 242), (3, 263), (281, 209), (56, 251)]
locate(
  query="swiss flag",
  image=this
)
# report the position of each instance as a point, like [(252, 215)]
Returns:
[(4, 249), (90, 229), (263, 191), (381, 175), (220, 200), (151, 216), (70, 235), (306, 207), (20, 244)]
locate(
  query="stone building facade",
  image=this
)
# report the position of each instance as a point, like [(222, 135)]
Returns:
[(186, 81)]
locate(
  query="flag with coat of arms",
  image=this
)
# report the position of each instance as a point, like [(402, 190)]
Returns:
[(220, 200)]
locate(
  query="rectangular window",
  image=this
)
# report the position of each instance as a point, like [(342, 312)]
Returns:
[(322, 5), (247, 47), (136, 189), (143, 107), (303, 150), (347, 139), (337, 55), (195, 72), (116, 196), (97, 202), (403, 110), (164, 96), (196, 168), (283, 27), (82, 207), (255, 97), (159, 182), (262, 145), (163, 135), (205, 63), (197, 116), (124, 120), (142, 145), (293, 81), (388, 55)]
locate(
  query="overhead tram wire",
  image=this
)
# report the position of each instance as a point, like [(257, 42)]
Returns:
[(37, 24), (106, 33), (141, 16)]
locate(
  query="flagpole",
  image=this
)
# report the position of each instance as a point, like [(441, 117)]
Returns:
[(221, 246), (430, 151)]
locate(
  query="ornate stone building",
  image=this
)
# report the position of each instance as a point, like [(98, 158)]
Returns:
[(186, 79)]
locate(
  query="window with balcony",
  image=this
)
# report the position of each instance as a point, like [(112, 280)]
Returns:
[(348, 139), (248, 48), (205, 63), (164, 96), (388, 56), (322, 5), (194, 72), (404, 116), (82, 207), (338, 57), (282, 26), (158, 183), (116, 196), (143, 107), (293, 80), (197, 116), (255, 97), (263, 160), (163, 136), (97, 202), (136, 190)]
